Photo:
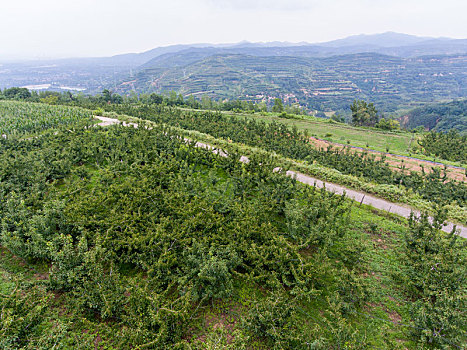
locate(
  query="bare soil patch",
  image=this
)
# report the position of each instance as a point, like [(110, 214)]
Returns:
[(400, 163)]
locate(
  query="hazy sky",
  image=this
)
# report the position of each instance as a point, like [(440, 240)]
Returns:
[(59, 28)]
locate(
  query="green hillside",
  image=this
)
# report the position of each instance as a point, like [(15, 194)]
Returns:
[(360, 170), (397, 142), (320, 83), (133, 238), (439, 117)]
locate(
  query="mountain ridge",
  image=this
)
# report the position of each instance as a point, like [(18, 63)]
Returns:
[(321, 76), (378, 40)]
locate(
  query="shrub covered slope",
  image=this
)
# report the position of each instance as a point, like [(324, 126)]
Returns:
[(133, 238)]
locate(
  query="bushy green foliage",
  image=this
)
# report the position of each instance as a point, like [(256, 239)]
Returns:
[(292, 144), (189, 221), (17, 93), (436, 280), (440, 117), (28, 234), (141, 229), (343, 334), (278, 106), (20, 316), (275, 320), (388, 124), (208, 272), (364, 114), (310, 225), (450, 145)]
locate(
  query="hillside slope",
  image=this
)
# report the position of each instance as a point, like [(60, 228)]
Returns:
[(321, 83), (439, 117), (94, 74), (131, 238)]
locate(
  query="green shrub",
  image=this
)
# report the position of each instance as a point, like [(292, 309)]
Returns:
[(436, 279), (209, 272), (21, 316), (273, 319)]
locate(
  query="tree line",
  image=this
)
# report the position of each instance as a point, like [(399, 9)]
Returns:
[(431, 185), (451, 145)]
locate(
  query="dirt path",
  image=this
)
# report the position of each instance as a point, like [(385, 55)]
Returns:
[(360, 197)]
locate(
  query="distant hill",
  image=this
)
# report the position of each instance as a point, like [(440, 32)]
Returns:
[(390, 43), (393, 44), (439, 117), (392, 69), (388, 39), (322, 83)]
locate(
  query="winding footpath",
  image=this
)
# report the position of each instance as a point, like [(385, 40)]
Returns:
[(360, 197)]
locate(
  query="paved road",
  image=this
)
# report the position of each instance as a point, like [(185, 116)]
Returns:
[(360, 197), (365, 198), (111, 121)]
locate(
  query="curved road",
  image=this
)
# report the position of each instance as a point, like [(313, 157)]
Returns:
[(360, 197), (365, 198)]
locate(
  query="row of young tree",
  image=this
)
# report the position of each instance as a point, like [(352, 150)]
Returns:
[(432, 186), (451, 145), (141, 229), (289, 142)]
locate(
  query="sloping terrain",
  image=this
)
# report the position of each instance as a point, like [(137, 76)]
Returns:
[(360, 197), (94, 74), (361, 171), (439, 117), (320, 83), (131, 238), (400, 148)]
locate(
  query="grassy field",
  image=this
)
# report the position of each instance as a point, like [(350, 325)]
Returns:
[(399, 143)]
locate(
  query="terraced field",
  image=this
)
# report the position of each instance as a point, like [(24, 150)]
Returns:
[(325, 84), (400, 147)]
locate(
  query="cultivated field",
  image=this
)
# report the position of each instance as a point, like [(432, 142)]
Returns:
[(124, 237), (325, 132)]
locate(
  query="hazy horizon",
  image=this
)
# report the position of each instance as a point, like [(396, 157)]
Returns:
[(59, 29), (25, 58)]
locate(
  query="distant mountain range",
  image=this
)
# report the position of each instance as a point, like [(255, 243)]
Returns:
[(388, 39), (390, 43), (387, 67)]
